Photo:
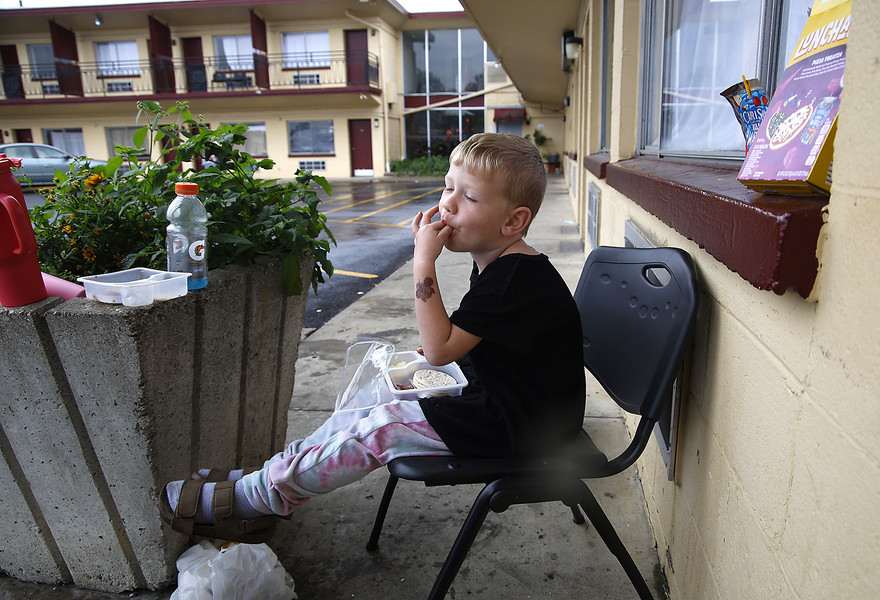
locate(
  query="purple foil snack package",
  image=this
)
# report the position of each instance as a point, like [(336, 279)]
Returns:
[(749, 102)]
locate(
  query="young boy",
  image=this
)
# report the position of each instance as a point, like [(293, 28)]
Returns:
[(516, 334)]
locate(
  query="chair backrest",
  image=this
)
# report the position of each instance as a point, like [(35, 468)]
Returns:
[(638, 307)]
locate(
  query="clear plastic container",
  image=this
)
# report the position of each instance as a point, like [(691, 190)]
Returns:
[(135, 287), (401, 367)]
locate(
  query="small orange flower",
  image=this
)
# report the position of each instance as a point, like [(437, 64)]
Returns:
[(88, 254), (94, 179)]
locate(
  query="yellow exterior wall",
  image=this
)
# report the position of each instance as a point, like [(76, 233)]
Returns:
[(93, 119), (777, 492)]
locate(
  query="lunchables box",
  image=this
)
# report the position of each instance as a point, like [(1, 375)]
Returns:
[(402, 366), (793, 149)]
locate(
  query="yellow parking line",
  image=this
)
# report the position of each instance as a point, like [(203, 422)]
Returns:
[(401, 203), (371, 199), (354, 274), (373, 223)]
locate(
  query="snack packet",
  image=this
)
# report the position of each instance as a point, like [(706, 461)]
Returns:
[(749, 102)]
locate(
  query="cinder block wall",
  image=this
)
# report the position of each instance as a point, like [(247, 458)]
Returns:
[(778, 478), (103, 404)]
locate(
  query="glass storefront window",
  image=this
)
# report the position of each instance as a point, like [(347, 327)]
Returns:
[(443, 61), (414, 62), (472, 61), (439, 64)]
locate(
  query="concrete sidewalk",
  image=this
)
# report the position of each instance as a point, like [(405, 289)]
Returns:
[(531, 551)]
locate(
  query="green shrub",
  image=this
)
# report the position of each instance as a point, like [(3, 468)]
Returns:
[(422, 166), (103, 218)]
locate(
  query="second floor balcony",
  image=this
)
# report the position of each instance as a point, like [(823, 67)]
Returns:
[(291, 73)]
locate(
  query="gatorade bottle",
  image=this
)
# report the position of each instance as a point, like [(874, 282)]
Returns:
[(186, 241)]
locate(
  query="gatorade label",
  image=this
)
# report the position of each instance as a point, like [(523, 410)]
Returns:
[(197, 250)]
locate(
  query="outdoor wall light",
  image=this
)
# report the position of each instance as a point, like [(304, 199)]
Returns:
[(98, 21), (571, 49), (375, 122)]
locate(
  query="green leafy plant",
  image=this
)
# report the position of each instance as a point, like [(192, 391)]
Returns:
[(422, 166), (104, 218)]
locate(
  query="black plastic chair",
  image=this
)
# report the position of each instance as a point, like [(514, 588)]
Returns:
[(638, 307)]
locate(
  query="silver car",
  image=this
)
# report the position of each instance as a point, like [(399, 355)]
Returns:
[(39, 161)]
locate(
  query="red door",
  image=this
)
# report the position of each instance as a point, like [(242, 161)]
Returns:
[(356, 56), (161, 62), (194, 62), (361, 140)]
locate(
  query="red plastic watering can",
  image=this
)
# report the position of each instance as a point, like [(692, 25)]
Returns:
[(21, 281)]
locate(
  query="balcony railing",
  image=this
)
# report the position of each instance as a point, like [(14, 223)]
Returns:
[(231, 74)]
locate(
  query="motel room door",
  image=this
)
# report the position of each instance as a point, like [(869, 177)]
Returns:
[(360, 138)]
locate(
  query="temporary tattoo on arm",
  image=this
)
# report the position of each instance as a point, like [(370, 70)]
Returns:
[(425, 290)]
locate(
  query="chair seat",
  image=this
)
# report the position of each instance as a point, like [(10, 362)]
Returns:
[(581, 459)]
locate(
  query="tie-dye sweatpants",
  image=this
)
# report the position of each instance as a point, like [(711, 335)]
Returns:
[(348, 446)]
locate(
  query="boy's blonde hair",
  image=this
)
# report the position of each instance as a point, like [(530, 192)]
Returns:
[(513, 160)]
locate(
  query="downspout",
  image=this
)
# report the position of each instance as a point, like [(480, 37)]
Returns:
[(379, 29)]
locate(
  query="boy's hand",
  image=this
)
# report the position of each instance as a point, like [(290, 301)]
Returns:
[(430, 237)]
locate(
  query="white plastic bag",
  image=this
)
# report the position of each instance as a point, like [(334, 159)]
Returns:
[(235, 572), (363, 380)]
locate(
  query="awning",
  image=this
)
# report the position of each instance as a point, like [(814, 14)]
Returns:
[(509, 114)]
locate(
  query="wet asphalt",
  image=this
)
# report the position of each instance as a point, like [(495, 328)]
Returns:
[(370, 223)]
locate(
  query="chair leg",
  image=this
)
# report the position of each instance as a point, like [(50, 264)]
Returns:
[(462, 545), (576, 515), (612, 540), (373, 542)]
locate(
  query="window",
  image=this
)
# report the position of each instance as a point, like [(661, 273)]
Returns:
[(256, 140), (234, 52), (69, 140), (42, 60), (473, 61), (306, 49), (313, 165), (414, 62), (119, 86), (123, 136), (437, 65), (310, 137), (117, 59), (306, 78), (694, 49)]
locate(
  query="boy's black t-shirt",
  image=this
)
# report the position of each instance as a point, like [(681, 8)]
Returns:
[(526, 390)]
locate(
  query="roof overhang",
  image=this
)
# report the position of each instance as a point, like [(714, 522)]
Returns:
[(526, 37)]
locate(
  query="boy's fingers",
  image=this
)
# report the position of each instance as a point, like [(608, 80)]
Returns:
[(426, 218)]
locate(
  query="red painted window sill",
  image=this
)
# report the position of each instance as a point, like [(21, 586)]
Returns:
[(769, 240)]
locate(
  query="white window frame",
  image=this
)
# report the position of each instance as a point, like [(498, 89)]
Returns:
[(306, 49), (117, 59)]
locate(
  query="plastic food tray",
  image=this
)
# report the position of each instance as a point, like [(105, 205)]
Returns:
[(401, 367), (135, 287)]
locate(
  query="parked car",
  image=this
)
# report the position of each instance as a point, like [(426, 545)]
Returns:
[(39, 161)]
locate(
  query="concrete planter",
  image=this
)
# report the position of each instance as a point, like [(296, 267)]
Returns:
[(102, 404)]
